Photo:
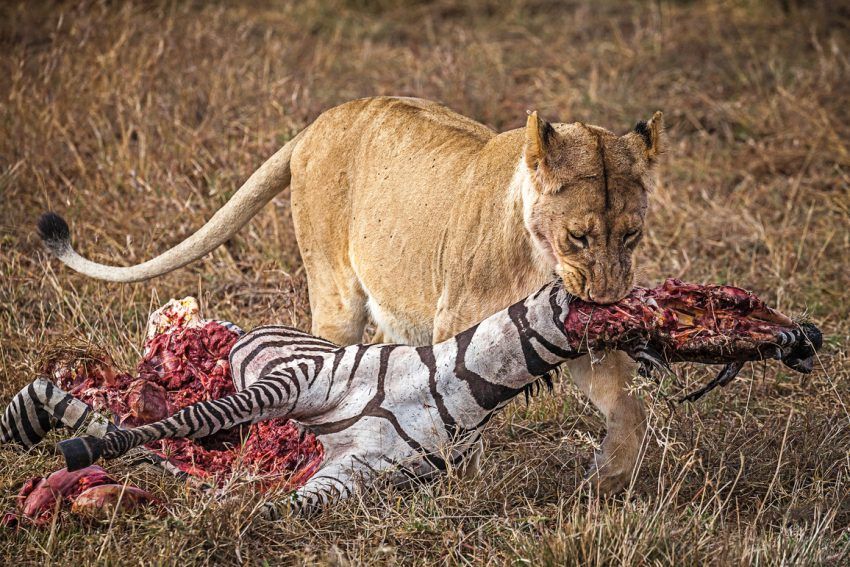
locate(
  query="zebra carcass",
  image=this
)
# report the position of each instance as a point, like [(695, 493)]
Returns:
[(358, 399)]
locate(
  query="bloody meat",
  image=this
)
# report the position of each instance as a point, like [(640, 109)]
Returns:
[(90, 492), (686, 322), (184, 362)]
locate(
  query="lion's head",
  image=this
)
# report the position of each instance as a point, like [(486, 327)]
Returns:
[(586, 198)]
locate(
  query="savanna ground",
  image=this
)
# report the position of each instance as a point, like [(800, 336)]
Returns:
[(137, 121)]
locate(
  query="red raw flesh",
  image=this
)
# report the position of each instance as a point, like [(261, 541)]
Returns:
[(700, 323), (147, 401), (182, 367), (40, 498)]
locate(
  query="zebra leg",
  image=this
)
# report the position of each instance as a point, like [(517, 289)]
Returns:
[(262, 400), (40, 407), (334, 482)]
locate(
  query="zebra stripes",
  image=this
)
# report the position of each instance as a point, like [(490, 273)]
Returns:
[(40, 407), (409, 412)]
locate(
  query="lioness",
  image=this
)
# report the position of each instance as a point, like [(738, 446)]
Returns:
[(427, 222)]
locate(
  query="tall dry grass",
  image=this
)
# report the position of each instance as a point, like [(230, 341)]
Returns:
[(137, 121)]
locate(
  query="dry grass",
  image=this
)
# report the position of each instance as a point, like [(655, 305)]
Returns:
[(138, 121)]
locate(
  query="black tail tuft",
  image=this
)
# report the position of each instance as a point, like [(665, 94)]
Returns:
[(54, 231)]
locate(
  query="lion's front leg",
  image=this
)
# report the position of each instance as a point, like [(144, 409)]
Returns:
[(606, 384)]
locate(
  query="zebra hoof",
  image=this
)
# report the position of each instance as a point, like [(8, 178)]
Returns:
[(81, 452)]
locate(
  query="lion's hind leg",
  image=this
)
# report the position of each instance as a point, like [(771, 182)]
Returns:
[(337, 303)]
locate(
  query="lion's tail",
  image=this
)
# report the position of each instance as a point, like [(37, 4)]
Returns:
[(269, 180)]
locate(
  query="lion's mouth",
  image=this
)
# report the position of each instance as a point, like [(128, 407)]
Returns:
[(573, 280), (572, 277)]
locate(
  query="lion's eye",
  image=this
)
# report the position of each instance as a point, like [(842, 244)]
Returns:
[(631, 236), (579, 240)]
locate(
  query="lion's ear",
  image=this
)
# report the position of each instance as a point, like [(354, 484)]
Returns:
[(538, 136), (651, 134)]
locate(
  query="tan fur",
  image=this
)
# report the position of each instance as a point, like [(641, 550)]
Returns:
[(427, 222)]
